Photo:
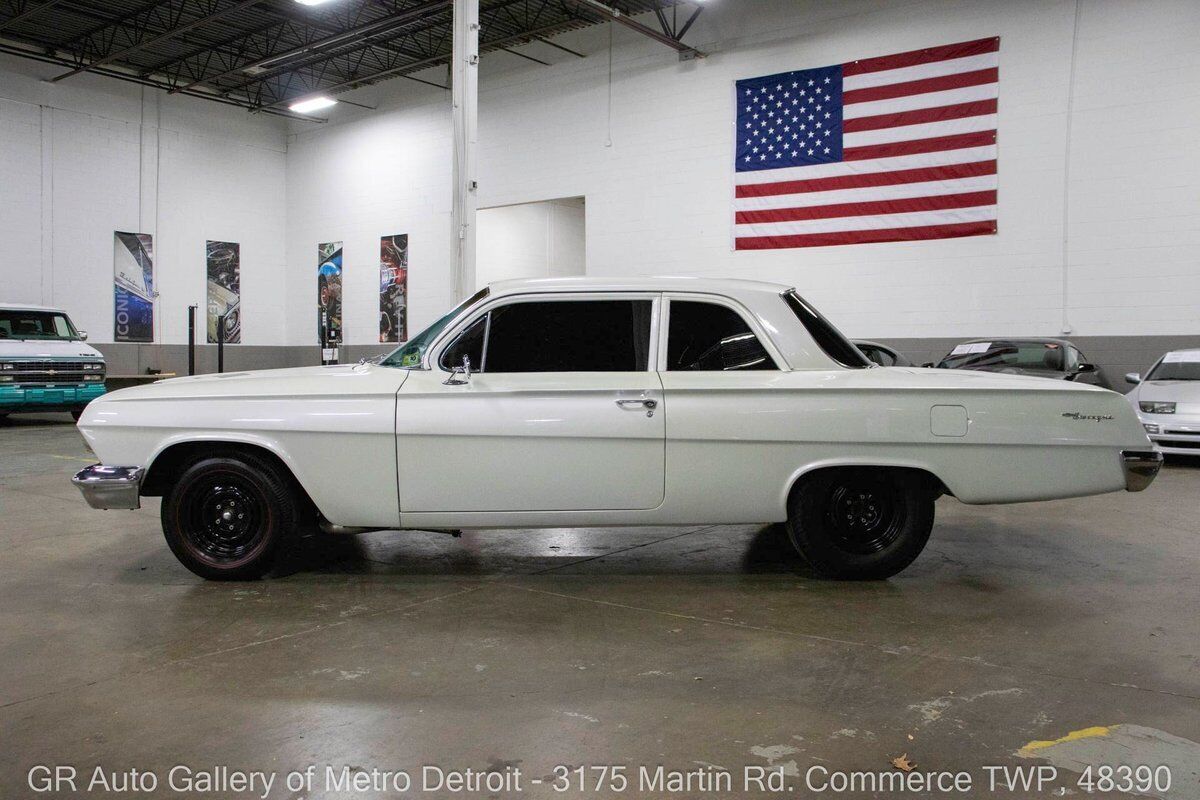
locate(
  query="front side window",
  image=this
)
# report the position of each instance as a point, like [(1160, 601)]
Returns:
[(712, 337), (17, 324), (558, 336)]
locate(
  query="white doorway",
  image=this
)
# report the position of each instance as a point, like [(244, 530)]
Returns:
[(530, 240)]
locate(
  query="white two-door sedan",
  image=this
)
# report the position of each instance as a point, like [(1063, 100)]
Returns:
[(604, 402)]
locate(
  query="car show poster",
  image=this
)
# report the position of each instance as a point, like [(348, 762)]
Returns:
[(393, 288), (223, 262), (133, 287), (329, 293)]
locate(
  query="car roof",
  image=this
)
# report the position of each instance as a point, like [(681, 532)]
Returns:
[(1184, 350), (732, 287), (1039, 339), (27, 307)]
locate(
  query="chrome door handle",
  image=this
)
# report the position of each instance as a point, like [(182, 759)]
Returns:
[(641, 401)]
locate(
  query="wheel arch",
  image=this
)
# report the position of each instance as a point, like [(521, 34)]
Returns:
[(937, 485), (165, 463)]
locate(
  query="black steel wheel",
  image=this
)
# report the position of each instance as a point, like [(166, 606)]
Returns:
[(861, 523), (227, 516)]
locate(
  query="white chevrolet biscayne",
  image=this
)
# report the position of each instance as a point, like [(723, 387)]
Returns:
[(595, 402)]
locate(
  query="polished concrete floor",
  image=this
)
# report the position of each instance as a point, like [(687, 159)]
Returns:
[(506, 650)]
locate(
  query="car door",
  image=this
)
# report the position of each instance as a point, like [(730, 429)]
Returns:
[(562, 410), (720, 376)]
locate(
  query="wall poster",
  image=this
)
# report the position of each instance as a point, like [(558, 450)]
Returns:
[(329, 293), (223, 261), (133, 287), (393, 288)]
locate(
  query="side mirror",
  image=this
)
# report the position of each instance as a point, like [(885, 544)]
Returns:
[(460, 375), (1085, 367), (741, 351), (83, 336), (1133, 377)]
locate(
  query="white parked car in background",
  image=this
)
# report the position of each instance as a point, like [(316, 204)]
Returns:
[(1168, 402), (589, 402)]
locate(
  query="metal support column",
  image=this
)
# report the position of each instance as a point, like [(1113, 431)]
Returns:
[(191, 340), (465, 99)]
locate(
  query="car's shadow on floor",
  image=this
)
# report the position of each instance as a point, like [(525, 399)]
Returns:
[(748, 550)]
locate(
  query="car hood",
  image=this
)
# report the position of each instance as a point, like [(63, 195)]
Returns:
[(337, 380), (1185, 394), (46, 348)]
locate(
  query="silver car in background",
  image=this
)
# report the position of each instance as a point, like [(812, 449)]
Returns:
[(1167, 401)]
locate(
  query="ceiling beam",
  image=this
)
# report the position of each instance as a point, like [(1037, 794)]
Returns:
[(618, 16), (370, 28), (27, 13), (162, 37)]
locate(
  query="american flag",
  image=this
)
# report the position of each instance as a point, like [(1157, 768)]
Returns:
[(883, 149)]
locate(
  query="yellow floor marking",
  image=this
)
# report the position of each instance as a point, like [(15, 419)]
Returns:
[(71, 458), (1086, 733)]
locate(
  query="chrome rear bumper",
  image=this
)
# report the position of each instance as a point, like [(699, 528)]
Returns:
[(1140, 468), (110, 487)]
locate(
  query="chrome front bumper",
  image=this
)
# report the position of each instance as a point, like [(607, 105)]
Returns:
[(1140, 468), (110, 487)]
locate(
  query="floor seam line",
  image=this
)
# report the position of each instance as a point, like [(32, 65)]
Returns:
[(851, 643)]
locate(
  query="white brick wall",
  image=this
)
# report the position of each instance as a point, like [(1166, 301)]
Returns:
[(97, 155), (658, 198)]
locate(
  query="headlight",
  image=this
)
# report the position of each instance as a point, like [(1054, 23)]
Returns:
[(93, 378), (7, 365), (1150, 427), (1157, 408), (6, 379)]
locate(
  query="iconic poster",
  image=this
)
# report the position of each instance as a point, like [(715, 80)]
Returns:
[(393, 288), (329, 293), (133, 287), (224, 264)]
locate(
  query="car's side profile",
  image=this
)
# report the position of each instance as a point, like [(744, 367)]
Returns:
[(590, 402)]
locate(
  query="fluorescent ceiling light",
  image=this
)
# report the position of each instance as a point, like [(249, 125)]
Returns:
[(312, 104), (311, 2)]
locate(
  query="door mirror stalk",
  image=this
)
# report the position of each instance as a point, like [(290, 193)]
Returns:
[(460, 375)]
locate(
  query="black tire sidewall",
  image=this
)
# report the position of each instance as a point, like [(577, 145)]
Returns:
[(278, 507), (809, 533)]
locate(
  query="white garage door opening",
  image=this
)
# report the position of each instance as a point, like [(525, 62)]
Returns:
[(530, 240)]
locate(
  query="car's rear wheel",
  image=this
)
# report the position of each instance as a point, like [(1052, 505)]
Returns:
[(861, 523), (228, 517)]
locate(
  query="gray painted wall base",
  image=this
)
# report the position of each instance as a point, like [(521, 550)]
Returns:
[(1116, 355)]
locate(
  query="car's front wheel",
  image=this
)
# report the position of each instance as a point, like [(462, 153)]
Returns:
[(861, 523), (228, 517)]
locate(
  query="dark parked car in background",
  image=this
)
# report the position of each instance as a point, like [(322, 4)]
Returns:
[(1042, 358), (881, 354)]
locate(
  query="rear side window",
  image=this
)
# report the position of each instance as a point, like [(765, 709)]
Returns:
[(827, 337), (711, 337), (569, 336)]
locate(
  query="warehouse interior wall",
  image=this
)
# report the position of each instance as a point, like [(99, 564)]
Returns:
[(531, 240), (1097, 239)]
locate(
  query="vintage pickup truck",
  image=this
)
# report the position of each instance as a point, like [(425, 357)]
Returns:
[(605, 402)]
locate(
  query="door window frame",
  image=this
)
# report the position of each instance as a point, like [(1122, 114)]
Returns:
[(664, 329), (451, 334)]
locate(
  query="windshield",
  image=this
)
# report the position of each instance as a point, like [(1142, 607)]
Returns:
[(1044, 356), (411, 354), (17, 324), (1177, 367)]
